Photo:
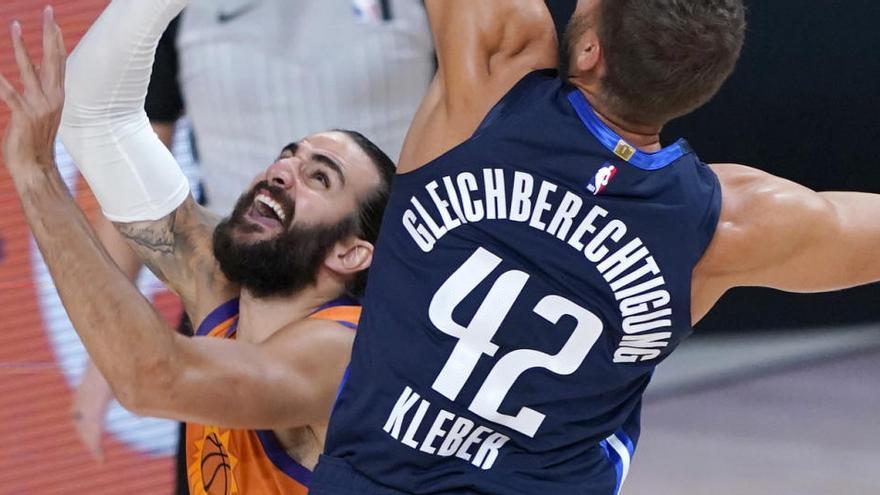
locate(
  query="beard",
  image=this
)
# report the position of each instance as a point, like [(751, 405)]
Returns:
[(280, 266)]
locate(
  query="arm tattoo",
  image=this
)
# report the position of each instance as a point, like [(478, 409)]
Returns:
[(178, 249), (157, 237)]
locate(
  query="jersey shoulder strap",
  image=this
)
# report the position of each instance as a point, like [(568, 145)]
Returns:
[(219, 322), (345, 311)]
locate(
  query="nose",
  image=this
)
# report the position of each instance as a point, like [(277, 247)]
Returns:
[(282, 173)]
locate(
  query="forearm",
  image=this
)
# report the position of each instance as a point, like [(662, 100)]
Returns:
[(127, 339), (118, 249), (104, 125), (483, 48), (853, 251)]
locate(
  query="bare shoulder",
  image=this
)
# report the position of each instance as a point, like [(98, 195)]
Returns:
[(764, 218), (317, 351), (178, 250), (316, 334), (757, 208)]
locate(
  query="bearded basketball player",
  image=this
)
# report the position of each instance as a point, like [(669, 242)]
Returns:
[(274, 284)]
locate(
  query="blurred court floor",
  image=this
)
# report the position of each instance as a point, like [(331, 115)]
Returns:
[(792, 413)]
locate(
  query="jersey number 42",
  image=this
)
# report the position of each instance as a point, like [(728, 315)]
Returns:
[(475, 339)]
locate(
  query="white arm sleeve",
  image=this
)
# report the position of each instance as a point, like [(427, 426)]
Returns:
[(104, 125)]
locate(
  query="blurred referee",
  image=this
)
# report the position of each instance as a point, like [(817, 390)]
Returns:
[(258, 74)]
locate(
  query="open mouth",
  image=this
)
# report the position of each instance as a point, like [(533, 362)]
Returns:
[(267, 211)]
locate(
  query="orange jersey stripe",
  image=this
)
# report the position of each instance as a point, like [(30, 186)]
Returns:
[(348, 314), (222, 329)]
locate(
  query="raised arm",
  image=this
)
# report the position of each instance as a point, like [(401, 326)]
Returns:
[(136, 180), (93, 395), (483, 48), (778, 234), (287, 381)]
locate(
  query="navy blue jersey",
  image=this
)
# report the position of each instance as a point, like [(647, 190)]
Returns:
[(524, 287)]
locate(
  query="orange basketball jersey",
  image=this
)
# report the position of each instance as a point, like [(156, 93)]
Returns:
[(224, 461)]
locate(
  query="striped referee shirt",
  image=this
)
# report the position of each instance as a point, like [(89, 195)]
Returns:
[(258, 74)]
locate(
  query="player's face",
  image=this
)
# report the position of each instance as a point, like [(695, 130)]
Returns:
[(317, 181), (285, 225)]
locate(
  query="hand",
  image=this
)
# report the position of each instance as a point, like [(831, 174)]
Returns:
[(90, 403), (36, 112)]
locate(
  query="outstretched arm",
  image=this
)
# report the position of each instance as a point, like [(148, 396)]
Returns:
[(778, 234), (290, 380), (136, 180), (483, 48), (92, 396)]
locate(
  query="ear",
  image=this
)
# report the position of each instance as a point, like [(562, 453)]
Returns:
[(350, 256), (588, 54)]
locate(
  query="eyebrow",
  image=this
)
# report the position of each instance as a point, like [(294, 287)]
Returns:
[(326, 160)]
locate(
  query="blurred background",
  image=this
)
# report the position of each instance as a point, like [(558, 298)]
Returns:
[(775, 393)]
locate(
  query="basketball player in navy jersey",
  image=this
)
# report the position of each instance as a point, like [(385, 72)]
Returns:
[(542, 252)]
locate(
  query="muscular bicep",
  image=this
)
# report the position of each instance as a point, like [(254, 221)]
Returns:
[(778, 234), (177, 249), (290, 380), (483, 49)]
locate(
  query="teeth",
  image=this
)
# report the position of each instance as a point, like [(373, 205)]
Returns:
[(271, 203)]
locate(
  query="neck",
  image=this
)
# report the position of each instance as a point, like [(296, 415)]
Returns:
[(645, 137), (260, 318)]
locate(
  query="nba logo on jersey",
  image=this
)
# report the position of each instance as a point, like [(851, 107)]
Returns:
[(602, 178), (367, 11)]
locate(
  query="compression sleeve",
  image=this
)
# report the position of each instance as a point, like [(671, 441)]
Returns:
[(104, 125)]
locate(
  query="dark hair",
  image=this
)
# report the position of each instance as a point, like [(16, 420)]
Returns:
[(372, 208), (665, 58)]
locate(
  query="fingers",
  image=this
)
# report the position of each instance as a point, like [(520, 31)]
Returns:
[(54, 57), (43, 91), (32, 89)]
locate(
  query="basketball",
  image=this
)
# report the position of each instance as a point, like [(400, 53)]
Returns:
[(216, 475)]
